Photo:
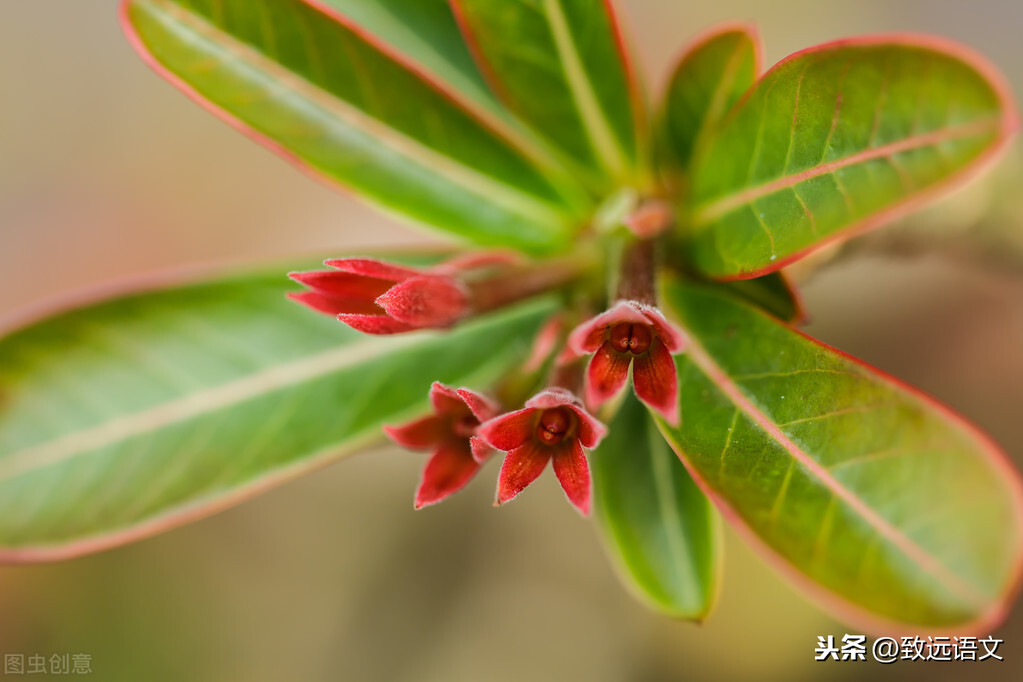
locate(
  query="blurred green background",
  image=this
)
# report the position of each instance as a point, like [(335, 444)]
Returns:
[(107, 172)]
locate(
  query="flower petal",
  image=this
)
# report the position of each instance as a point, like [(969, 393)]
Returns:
[(344, 285), (673, 337), (375, 324), (656, 381), (421, 434), (448, 470), (479, 448), (510, 430), (544, 344), (482, 407), (329, 305), (371, 267), (606, 375), (426, 301), (553, 397), (591, 429), (574, 474), (521, 467), (587, 337), (445, 400)]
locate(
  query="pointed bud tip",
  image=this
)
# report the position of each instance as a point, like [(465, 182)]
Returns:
[(503, 498), (422, 501)]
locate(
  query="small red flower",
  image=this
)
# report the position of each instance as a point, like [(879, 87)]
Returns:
[(381, 298), (630, 332), (450, 434), (552, 426)]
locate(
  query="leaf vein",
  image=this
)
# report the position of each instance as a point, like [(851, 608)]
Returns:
[(927, 561), (723, 205)]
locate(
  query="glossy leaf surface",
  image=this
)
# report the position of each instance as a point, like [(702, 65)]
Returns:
[(837, 139), (426, 36), (426, 32), (887, 505), (707, 81), (303, 81), (661, 530), (123, 418), (561, 66), (774, 293)]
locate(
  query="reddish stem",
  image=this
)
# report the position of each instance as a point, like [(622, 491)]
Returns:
[(520, 283), (636, 278)]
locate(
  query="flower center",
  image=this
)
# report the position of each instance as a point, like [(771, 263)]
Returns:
[(465, 426), (630, 338), (554, 425)]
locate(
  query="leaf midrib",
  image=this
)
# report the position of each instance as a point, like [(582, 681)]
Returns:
[(597, 128), (190, 28), (716, 108), (926, 561), (664, 488), (709, 212), (473, 98), (264, 382)]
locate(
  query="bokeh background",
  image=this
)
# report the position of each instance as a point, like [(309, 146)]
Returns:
[(106, 172)]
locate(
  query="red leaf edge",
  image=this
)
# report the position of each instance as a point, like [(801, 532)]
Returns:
[(303, 166), (1009, 125), (715, 31), (831, 601)]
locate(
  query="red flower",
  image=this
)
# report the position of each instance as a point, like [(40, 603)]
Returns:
[(552, 426), (381, 298), (450, 433), (630, 332)]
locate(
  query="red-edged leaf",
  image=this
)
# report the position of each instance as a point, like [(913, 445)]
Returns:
[(661, 531), (126, 417), (838, 139), (562, 66), (889, 509), (715, 70), (311, 84)]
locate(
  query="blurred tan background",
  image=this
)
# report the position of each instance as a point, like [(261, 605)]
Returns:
[(106, 172)]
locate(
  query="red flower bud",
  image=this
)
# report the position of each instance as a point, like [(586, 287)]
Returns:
[(381, 298)]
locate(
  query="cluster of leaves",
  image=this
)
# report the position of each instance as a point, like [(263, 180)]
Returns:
[(521, 124)]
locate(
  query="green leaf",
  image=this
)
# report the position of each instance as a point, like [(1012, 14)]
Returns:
[(835, 140), (562, 67), (426, 32), (773, 293), (661, 530), (127, 417), (707, 81), (886, 506), (310, 84)]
